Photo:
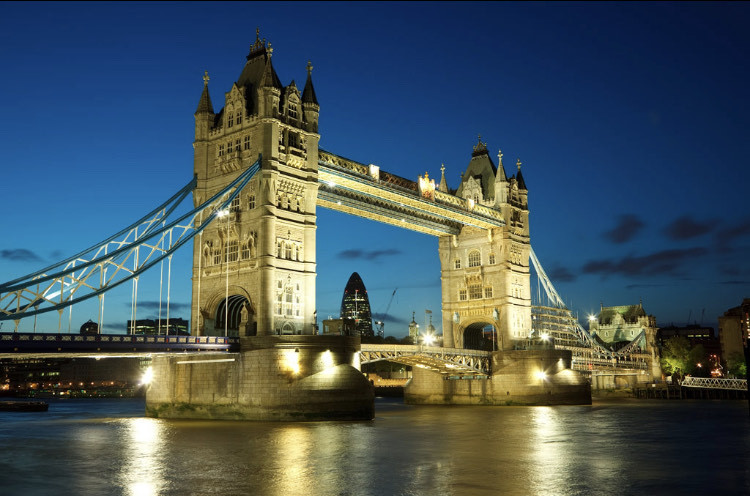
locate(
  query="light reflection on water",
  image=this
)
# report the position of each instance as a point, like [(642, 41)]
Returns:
[(634, 447), (142, 472)]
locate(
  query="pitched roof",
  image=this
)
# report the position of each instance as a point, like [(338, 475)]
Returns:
[(482, 168)]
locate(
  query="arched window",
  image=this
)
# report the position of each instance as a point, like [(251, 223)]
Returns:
[(475, 258)]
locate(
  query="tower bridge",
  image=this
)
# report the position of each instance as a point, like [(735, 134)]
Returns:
[(259, 176)]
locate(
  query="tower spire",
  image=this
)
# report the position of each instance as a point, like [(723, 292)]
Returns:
[(443, 186)]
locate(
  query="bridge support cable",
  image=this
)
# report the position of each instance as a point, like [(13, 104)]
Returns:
[(86, 274), (582, 334)]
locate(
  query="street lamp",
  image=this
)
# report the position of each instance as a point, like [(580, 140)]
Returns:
[(225, 213)]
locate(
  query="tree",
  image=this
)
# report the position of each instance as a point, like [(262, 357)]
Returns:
[(675, 356), (736, 366)]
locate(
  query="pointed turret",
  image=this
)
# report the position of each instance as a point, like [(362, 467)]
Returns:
[(443, 186), (204, 104), (519, 177), (310, 107), (204, 114), (308, 94), (501, 181)]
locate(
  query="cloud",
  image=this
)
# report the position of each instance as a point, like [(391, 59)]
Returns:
[(727, 236), (561, 274), (627, 228), (19, 255), (659, 263), (686, 228), (154, 305), (367, 255), (390, 318)]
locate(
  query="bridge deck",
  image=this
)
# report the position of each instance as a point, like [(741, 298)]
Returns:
[(44, 344)]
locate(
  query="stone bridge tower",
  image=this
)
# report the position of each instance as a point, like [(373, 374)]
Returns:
[(485, 274), (254, 267)]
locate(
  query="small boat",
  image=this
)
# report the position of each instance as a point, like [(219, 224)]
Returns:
[(23, 406)]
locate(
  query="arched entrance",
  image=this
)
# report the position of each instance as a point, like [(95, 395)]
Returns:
[(235, 317), (480, 336)]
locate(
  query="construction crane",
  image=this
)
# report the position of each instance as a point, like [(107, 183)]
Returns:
[(380, 323)]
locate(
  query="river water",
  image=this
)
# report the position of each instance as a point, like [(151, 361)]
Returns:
[(625, 447)]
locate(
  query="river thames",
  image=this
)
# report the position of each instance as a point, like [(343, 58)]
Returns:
[(623, 447)]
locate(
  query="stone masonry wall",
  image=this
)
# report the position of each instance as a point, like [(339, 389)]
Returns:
[(271, 378)]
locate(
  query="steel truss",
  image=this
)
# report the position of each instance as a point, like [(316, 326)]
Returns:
[(715, 383), (582, 334), (119, 258), (451, 361)]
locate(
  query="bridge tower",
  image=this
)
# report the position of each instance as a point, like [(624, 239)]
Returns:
[(485, 273), (254, 267)]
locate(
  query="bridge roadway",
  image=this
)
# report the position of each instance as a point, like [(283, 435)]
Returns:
[(35, 345), (450, 361), (366, 191)]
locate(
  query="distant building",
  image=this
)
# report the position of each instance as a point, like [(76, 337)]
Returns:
[(623, 324), (618, 326), (152, 327), (339, 327), (734, 329), (697, 335), (90, 327), (355, 305)]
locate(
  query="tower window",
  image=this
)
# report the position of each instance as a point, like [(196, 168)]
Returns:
[(475, 258), (492, 259), (251, 201), (232, 250), (457, 263), (475, 292), (488, 292), (247, 142), (230, 120), (462, 294), (293, 110), (237, 145), (245, 251), (235, 206), (239, 117), (221, 150)]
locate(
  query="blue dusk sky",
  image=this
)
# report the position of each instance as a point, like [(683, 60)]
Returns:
[(631, 120)]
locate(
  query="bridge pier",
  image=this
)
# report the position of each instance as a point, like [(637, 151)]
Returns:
[(519, 377), (271, 378)]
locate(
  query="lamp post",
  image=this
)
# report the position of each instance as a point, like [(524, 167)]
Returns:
[(225, 213)]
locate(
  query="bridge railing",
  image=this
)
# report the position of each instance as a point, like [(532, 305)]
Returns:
[(43, 342), (715, 383)]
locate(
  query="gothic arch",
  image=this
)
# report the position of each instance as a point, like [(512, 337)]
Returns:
[(241, 312), (472, 332)]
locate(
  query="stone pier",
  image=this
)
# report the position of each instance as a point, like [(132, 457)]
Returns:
[(519, 377), (271, 378)]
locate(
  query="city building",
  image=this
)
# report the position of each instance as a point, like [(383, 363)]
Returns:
[(153, 326), (734, 329), (356, 305)]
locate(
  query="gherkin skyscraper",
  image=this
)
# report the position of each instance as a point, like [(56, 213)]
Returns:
[(355, 305)]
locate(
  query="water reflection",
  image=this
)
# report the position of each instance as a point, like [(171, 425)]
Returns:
[(143, 467), (616, 449)]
